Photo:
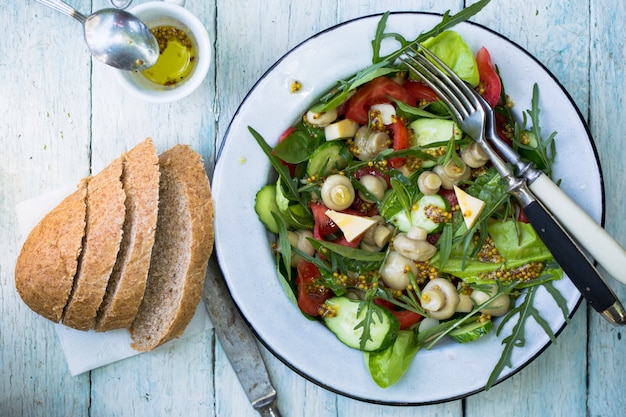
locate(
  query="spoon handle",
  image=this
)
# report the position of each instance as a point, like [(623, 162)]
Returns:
[(64, 8)]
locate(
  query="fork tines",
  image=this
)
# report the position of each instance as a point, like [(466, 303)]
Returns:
[(453, 91)]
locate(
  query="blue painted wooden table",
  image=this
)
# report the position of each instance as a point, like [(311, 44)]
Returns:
[(63, 116)]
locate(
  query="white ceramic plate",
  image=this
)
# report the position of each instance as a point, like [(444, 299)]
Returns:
[(448, 371)]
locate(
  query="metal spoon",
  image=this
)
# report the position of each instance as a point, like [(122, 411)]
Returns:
[(114, 36)]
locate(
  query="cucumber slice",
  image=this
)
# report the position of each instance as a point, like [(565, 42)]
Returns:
[(433, 131), (421, 217), (392, 211), (472, 331), (265, 204), (345, 324), (328, 157)]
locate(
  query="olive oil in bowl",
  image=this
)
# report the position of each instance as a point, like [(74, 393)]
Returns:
[(177, 57)]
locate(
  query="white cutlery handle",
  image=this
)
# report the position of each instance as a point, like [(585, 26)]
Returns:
[(590, 235)]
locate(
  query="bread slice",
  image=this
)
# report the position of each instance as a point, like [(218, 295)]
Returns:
[(47, 263), (183, 245), (105, 218), (127, 283)]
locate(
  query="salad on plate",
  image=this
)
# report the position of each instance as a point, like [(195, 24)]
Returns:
[(391, 226)]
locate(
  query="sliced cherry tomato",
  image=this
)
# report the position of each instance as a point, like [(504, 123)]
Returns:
[(400, 141), (310, 294), (488, 77), (420, 91), (377, 91), (324, 228), (407, 318)]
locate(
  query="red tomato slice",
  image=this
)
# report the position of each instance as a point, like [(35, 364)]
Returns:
[(489, 77), (324, 228), (407, 318), (420, 91), (310, 295), (376, 91), (400, 141)]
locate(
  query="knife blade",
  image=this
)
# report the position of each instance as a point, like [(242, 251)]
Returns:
[(238, 342)]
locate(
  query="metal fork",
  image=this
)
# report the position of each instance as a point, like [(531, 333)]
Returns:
[(606, 251), (468, 111)]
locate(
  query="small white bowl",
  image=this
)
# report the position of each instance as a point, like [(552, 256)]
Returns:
[(160, 13)]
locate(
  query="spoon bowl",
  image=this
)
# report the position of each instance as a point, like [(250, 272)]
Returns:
[(119, 39), (115, 37)]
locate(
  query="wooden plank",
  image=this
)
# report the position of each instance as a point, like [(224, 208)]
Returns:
[(273, 31), (45, 142), (607, 344), (176, 379), (560, 50)]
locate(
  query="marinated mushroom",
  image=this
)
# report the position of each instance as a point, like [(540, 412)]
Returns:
[(428, 183), (451, 173), (416, 250), (337, 192), (465, 303), (299, 240), (374, 185), (395, 272), (474, 155), (321, 119), (417, 233), (497, 307), (439, 298), (370, 143), (376, 237)]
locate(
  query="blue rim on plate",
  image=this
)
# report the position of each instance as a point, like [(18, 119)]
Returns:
[(449, 371)]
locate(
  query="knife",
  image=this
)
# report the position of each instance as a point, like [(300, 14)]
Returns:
[(238, 342)]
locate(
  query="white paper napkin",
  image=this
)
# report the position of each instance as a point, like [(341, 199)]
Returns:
[(87, 350)]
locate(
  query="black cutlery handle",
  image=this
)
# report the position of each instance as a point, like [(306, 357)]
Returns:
[(567, 253)]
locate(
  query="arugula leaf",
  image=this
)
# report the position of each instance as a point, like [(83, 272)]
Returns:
[(379, 62), (517, 339), (545, 148), (283, 171), (351, 253), (369, 319)]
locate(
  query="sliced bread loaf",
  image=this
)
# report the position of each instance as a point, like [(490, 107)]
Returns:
[(183, 245), (105, 218), (47, 263), (127, 283)]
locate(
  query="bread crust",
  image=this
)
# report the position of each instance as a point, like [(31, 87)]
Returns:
[(47, 263), (105, 219), (183, 245), (127, 283)]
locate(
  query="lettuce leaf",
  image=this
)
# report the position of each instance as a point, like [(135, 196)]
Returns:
[(454, 52), (388, 365), (517, 242)]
